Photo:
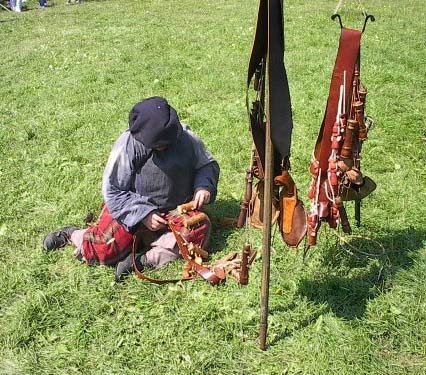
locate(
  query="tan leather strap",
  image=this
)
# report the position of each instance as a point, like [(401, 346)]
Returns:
[(200, 272), (136, 240), (204, 272)]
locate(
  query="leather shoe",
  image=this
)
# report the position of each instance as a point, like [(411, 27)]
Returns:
[(57, 239)]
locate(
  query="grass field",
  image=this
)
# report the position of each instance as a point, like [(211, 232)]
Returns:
[(70, 75)]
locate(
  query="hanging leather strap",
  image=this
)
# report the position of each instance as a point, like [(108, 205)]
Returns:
[(280, 116), (267, 66), (347, 57), (269, 46), (343, 73)]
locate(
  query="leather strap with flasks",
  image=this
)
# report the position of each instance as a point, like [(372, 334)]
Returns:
[(234, 264), (198, 270), (347, 57), (338, 139)]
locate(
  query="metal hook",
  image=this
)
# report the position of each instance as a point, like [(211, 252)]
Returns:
[(368, 17), (333, 17)]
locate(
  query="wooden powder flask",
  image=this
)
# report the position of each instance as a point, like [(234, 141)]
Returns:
[(351, 129), (195, 249), (346, 227), (184, 208), (359, 116), (193, 220), (181, 210), (362, 92), (243, 276), (247, 197), (355, 88)]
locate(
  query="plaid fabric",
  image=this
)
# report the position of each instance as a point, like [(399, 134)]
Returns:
[(107, 242)]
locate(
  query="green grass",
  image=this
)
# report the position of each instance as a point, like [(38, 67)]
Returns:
[(70, 75)]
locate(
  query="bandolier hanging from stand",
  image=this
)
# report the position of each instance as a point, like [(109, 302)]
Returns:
[(335, 164), (270, 116)]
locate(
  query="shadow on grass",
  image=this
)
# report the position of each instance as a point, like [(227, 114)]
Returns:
[(347, 295), (364, 277), (223, 214)]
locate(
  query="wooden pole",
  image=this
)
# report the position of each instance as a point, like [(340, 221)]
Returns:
[(266, 245)]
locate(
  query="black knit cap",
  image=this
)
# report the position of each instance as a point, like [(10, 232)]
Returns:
[(154, 123)]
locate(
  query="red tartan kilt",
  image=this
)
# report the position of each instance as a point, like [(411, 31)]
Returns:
[(107, 242)]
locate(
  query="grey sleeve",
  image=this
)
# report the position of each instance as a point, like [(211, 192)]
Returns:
[(206, 167), (207, 178), (126, 206)]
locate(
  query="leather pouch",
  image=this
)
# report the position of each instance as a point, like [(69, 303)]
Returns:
[(358, 193), (256, 206), (293, 220)]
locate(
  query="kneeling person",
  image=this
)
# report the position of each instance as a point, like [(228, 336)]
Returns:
[(154, 166)]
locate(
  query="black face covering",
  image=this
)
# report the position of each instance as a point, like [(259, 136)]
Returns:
[(154, 123)]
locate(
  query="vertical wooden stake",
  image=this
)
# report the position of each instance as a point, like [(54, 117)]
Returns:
[(266, 245)]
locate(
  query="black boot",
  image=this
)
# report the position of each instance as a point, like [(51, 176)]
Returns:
[(60, 238), (125, 266)]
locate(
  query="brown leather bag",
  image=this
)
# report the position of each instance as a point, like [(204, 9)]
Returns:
[(292, 223), (256, 206)]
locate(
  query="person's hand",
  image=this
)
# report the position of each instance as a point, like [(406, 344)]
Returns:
[(201, 197), (155, 221)]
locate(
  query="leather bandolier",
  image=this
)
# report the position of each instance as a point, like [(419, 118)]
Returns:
[(266, 71), (189, 228), (335, 164)]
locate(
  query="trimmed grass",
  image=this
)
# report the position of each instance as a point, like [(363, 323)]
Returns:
[(70, 75)]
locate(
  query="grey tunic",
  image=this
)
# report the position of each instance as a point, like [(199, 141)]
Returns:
[(138, 180)]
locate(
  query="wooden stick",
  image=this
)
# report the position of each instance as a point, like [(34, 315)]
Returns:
[(338, 6), (5, 8), (266, 245)]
